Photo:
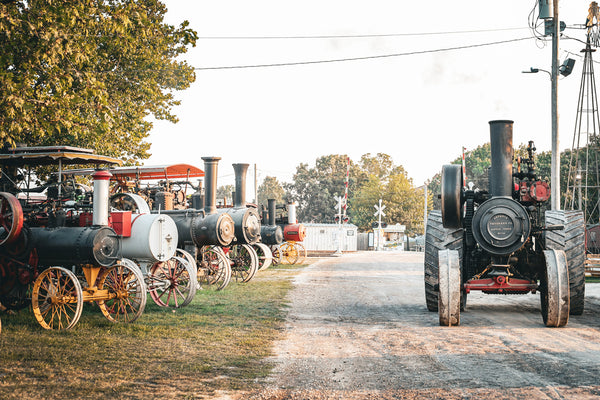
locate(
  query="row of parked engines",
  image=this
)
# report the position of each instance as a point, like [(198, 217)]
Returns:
[(46, 243)]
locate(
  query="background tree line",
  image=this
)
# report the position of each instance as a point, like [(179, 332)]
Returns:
[(372, 178)]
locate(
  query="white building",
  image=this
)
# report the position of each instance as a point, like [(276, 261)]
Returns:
[(325, 237)]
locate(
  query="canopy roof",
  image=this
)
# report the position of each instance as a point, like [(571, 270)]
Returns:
[(53, 155), (174, 171)]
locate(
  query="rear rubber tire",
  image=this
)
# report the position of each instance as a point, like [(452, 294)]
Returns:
[(572, 241), (438, 238)]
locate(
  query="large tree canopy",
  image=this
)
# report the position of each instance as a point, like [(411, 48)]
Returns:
[(89, 72)]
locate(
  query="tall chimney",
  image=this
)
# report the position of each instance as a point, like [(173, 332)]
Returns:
[(210, 187), (100, 197), (271, 206), (239, 199), (501, 181), (292, 214)]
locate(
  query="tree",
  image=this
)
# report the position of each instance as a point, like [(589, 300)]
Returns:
[(315, 188), (225, 194), (270, 189), (88, 73)]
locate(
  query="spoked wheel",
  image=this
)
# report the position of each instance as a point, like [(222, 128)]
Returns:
[(276, 255), (244, 262), (11, 218), (57, 299), (289, 253), (126, 289), (301, 252), (214, 268), (449, 288), (172, 283), (191, 261), (265, 257), (554, 289)]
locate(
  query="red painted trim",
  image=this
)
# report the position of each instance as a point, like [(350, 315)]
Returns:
[(501, 284)]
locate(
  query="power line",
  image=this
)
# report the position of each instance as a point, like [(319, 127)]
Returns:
[(360, 58), (355, 36)]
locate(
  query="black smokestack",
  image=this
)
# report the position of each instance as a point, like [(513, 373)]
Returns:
[(210, 179), (271, 207), (501, 134), (240, 185)]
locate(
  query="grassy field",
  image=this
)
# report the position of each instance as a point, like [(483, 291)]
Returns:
[(217, 343)]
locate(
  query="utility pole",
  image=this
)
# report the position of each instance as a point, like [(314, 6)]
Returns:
[(555, 160)]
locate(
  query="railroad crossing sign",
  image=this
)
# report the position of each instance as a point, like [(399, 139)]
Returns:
[(380, 208)]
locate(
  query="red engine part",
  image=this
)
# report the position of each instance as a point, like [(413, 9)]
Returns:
[(501, 285), (85, 219), (538, 191), (295, 232), (121, 222)]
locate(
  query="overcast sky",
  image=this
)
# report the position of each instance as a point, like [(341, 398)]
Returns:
[(419, 108)]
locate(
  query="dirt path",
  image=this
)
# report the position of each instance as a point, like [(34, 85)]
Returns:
[(358, 329)]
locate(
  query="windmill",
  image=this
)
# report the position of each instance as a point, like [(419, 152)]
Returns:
[(583, 178)]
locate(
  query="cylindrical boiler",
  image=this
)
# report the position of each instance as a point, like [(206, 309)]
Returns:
[(95, 245), (295, 232), (153, 238)]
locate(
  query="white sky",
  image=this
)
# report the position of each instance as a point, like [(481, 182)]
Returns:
[(419, 109)]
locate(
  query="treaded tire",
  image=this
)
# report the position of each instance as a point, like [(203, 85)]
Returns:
[(572, 241), (438, 238)]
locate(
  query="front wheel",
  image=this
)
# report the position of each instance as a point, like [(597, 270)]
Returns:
[(554, 289), (126, 292), (449, 299), (57, 299)]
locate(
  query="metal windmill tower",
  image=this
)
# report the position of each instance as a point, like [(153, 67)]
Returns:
[(583, 179)]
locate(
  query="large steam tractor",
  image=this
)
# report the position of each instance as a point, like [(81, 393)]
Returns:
[(498, 243)]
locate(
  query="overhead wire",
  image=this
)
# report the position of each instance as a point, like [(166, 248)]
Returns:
[(357, 36), (284, 64)]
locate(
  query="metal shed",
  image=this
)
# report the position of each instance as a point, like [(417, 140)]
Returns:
[(324, 237)]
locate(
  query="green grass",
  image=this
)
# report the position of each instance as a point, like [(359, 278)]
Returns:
[(218, 342), (592, 279)]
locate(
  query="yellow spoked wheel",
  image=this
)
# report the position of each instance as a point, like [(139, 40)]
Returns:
[(126, 292), (57, 299), (301, 252), (289, 253)]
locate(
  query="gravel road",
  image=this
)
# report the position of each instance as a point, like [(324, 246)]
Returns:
[(358, 328)]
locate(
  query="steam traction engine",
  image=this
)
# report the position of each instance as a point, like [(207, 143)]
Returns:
[(47, 238), (496, 241)]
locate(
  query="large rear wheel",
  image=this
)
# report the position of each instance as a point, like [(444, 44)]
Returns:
[(438, 238), (572, 241), (127, 291)]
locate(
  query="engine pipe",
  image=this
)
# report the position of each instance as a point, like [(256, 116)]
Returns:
[(100, 197), (500, 174), (210, 190)]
